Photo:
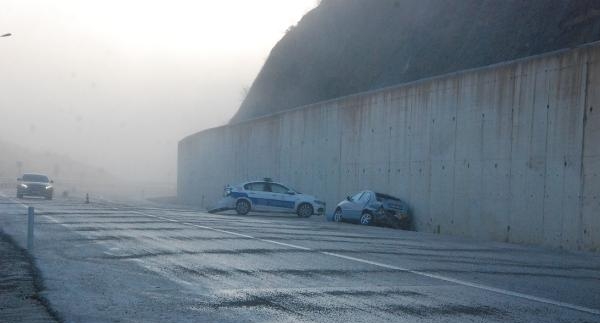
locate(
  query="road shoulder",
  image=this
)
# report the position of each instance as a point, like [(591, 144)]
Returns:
[(20, 285)]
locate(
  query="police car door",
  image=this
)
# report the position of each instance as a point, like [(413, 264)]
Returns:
[(281, 200), (258, 196)]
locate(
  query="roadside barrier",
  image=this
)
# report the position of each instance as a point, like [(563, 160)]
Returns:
[(30, 223)]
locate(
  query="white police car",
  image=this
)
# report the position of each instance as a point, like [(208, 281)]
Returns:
[(268, 196)]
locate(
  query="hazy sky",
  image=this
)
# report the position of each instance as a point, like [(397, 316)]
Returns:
[(116, 83)]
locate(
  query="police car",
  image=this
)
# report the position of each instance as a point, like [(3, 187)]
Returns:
[(268, 196)]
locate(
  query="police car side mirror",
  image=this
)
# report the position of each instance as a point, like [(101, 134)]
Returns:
[(291, 192), (19, 179), (51, 182), (348, 198)]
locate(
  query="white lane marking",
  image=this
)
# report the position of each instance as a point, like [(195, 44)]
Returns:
[(51, 218), (474, 285), (374, 263), (416, 272), (196, 225), (284, 244)]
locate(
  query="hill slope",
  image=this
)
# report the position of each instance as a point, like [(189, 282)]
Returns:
[(349, 46)]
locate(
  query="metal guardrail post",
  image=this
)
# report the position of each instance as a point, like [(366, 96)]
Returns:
[(30, 222)]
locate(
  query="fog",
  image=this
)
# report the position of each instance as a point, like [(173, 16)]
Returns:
[(115, 84)]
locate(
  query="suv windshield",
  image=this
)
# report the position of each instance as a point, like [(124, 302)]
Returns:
[(35, 178)]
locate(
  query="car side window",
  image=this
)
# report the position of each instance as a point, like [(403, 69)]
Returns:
[(276, 188), (364, 198), (357, 197), (267, 187)]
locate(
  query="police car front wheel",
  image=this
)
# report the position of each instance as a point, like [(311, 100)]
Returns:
[(305, 210)]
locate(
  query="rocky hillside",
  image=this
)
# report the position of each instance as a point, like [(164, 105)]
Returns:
[(349, 46)]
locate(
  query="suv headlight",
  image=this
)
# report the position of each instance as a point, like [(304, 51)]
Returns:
[(48, 187), (23, 186)]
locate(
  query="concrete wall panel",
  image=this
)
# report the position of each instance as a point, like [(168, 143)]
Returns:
[(508, 152), (591, 155)]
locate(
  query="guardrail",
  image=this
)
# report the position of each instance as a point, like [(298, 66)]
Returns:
[(30, 224)]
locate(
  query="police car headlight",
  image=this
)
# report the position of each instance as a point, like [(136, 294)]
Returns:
[(48, 187), (23, 186)]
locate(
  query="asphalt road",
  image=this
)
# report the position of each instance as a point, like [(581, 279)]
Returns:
[(110, 262)]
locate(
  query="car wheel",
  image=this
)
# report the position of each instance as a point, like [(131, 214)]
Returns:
[(305, 210), (366, 218), (242, 207), (337, 216)]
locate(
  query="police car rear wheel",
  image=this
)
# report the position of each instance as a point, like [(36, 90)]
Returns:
[(242, 207), (305, 210)]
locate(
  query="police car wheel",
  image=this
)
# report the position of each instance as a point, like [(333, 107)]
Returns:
[(305, 210), (242, 207)]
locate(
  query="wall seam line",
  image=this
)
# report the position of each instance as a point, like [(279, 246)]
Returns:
[(581, 160)]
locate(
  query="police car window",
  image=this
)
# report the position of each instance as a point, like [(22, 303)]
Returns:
[(267, 187), (258, 186), (276, 188)]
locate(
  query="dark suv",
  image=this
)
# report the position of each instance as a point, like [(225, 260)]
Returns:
[(35, 185)]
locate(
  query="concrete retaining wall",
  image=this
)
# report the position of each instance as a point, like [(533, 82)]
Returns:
[(509, 152)]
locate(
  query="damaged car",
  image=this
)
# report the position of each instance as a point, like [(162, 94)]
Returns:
[(268, 196), (371, 208)]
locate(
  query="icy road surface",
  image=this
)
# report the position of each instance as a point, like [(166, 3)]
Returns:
[(110, 262)]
